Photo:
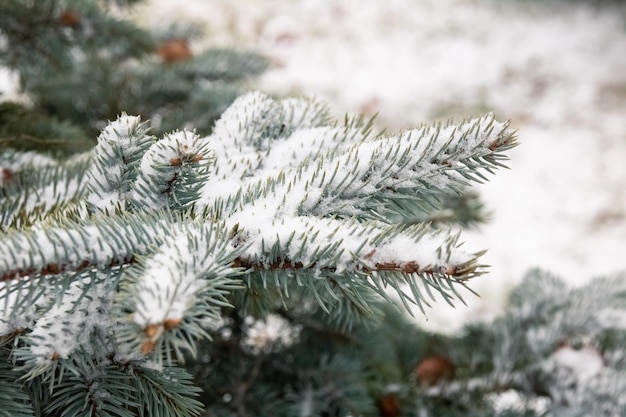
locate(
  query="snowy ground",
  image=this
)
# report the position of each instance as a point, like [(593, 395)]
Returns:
[(558, 71)]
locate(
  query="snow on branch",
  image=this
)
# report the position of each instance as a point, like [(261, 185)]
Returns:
[(341, 171), (351, 253), (34, 192), (307, 201), (182, 286), (70, 320), (249, 121), (12, 162), (172, 172), (278, 200), (116, 157), (78, 246), (341, 247), (290, 133), (373, 177)]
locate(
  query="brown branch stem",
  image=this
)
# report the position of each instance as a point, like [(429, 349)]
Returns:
[(452, 271)]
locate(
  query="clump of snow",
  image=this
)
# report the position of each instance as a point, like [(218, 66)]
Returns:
[(167, 287), (307, 143), (9, 86), (241, 158), (583, 363), (305, 113), (273, 329), (170, 281), (121, 131), (513, 400), (173, 150), (247, 120)]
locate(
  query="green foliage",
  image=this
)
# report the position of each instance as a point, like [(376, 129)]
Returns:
[(257, 270), (80, 66), (120, 265), (13, 396), (23, 129), (307, 366)]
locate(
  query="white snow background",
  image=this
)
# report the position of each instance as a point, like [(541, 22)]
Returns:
[(557, 70)]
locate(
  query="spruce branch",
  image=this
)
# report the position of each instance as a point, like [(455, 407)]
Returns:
[(582, 372), (397, 173), (177, 293), (14, 399), (103, 390), (344, 172), (69, 321), (116, 159), (281, 134), (340, 255), (78, 246), (166, 392), (32, 193), (172, 172), (13, 163), (279, 209)]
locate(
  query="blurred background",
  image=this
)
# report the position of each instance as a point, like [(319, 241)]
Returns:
[(555, 69)]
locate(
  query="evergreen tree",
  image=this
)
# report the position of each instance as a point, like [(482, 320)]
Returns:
[(132, 271), (81, 64), (555, 352)]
